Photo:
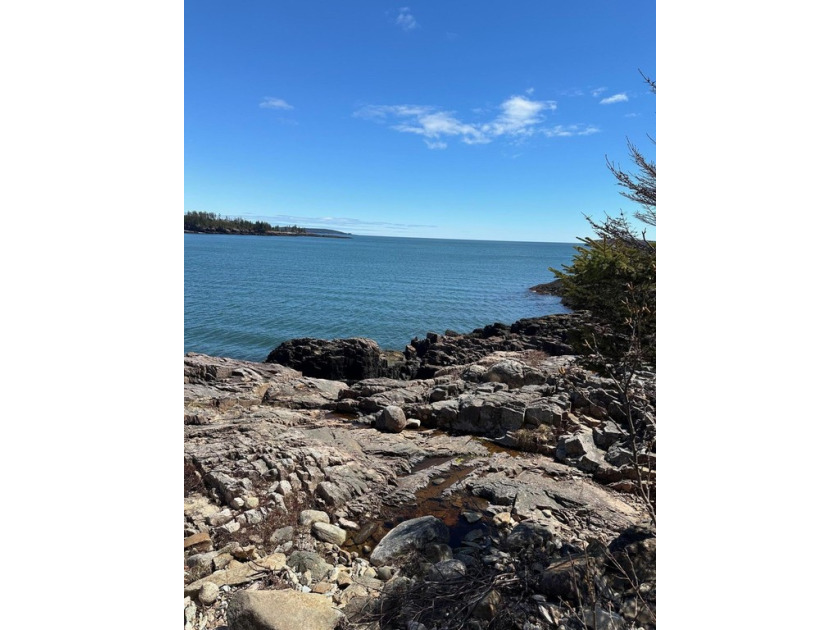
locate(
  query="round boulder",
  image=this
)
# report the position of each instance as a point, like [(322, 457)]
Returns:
[(408, 536), (391, 419)]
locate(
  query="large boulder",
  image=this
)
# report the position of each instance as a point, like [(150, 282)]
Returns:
[(352, 359), (408, 536), (579, 450), (391, 419), (514, 374), (492, 414), (281, 610), (329, 533)]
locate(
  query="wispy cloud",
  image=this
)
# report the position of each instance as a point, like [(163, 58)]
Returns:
[(405, 20), (561, 131), (572, 92), (615, 98), (598, 91), (517, 118), (271, 102)]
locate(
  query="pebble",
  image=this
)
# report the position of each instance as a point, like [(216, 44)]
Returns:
[(384, 573), (503, 519), (220, 518), (208, 593)]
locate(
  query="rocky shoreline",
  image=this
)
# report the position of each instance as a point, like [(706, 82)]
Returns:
[(485, 480)]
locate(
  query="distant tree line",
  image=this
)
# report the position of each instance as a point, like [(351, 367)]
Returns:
[(214, 223)]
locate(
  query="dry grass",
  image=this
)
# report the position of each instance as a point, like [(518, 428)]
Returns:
[(192, 479), (533, 358), (538, 440), (259, 534)]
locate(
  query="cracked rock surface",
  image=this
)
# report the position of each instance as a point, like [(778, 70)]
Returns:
[(509, 450)]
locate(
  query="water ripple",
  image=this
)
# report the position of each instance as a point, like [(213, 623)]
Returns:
[(244, 295)]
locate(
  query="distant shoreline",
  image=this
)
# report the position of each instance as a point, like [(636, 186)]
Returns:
[(241, 233)]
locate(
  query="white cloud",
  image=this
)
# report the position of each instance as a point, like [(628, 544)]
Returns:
[(405, 20), (380, 112), (274, 103), (598, 91), (529, 91), (615, 98), (518, 118), (561, 131)]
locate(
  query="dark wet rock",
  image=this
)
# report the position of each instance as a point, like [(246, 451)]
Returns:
[(411, 535), (447, 571), (528, 534), (548, 288), (567, 579), (352, 359)]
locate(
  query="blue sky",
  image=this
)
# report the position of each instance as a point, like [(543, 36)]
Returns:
[(482, 120)]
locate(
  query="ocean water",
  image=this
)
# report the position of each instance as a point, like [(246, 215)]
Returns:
[(243, 295)]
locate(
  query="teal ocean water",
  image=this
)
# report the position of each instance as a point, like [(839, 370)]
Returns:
[(243, 295)]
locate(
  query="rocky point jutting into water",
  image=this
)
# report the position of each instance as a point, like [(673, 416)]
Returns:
[(485, 480)]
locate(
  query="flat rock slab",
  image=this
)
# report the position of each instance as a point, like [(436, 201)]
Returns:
[(281, 610)]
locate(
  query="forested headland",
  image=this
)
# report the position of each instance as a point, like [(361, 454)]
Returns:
[(211, 223)]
